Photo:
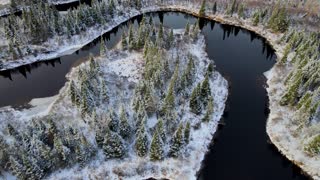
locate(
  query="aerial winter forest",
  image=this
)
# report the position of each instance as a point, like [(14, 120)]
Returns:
[(159, 89)]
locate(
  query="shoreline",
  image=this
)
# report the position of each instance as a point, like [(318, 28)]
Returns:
[(89, 36)]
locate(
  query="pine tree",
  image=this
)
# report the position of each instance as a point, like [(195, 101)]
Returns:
[(278, 21), (214, 8), (169, 101), (187, 29), (84, 106), (171, 38), (142, 143), (156, 151), (187, 133), (285, 54), (124, 126), (232, 8), (93, 67), (146, 48), (131, 39), (205, 91), (113, 146), (13, 4), (256, 18), (241, 11), (60, 149), (103, 47), (149, 102), (111, 7), (207, 117), (177, 142), (72, 92), (17, 168), (161, 129), (99, 137), (202, 11), (112, 120), (124, 42), (13, 51), (104, 94), (160, 35), (210, 69), (194, 104)]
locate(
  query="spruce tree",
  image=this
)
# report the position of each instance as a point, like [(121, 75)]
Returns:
[(146, 48), (111, 7), (202, 11), (187, 133), (113, 122), (286, 52), (241, 11), (195, 103), (60, 149), (171, 38), (205, 90), (161, 129), (210, 69), (177, 142), (103, 47), (99, 137), (214, 8), (84, 106), (142, 143), (278, 21), (17, 168), (187, 29), (124, 42), (72, 92), (160, 36), (124, 126), (131, 38), (207, 117), (156, 151), (233, 8), (113, 146), (149, 100), (103, 91), (256, 18)]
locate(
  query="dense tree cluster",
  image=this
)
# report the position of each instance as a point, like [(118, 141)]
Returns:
[(43, 147), (41, 21), (166, 84), (302, 83)]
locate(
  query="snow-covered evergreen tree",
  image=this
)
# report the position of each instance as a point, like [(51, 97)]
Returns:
[(186, 134), (124, 126), (156, 148), (113, 146), (142, 144), (177, 142)]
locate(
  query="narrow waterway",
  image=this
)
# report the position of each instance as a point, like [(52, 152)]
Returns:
[(240, 149)]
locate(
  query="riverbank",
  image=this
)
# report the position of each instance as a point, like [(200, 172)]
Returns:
[(59, 46)]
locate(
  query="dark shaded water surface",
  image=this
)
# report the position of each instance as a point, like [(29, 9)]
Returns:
[(240, 149)]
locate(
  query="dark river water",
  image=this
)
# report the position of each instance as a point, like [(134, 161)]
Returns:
[(240, 149)]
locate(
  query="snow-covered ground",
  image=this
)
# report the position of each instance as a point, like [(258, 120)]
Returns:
[(56, 2), (3, 2), (279, 124), (59, 46), (127, 66)]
